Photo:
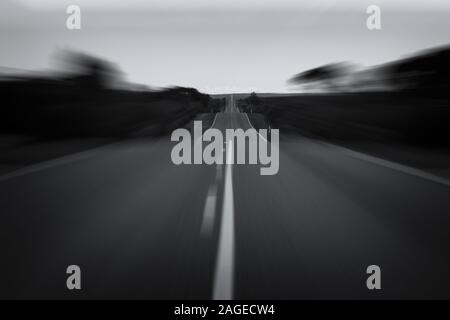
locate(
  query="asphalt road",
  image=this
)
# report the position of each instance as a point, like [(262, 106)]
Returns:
[(141, 227)]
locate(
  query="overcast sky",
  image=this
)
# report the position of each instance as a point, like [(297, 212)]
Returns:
[(233, 4), (217, 45)]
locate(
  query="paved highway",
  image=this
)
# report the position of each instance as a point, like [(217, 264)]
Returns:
[(141, 227)]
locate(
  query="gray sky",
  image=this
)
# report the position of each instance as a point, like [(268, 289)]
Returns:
[(217, 45)]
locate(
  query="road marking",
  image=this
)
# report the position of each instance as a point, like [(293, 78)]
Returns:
[(224, 272), (219, 172), (209, 211), (56, 162), (214, 122), (200, 138), (390, 165), (255, 129)]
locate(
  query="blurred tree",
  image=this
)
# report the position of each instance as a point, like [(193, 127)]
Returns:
[(324, 77), (89, 71), (253, 101)]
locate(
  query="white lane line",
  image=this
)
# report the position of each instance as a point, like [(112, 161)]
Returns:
[(209, 211), (224, 272), (219, 172), (390, 165), (56, 162), (199, 139), (255, 129), (214, 122)]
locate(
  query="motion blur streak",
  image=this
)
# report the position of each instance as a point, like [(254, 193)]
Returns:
[(364, 156)]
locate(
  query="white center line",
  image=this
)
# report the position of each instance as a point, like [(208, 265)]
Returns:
[(224, 272), (209, 211)]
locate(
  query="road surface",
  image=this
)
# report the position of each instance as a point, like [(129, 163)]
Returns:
[(141, 227)]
